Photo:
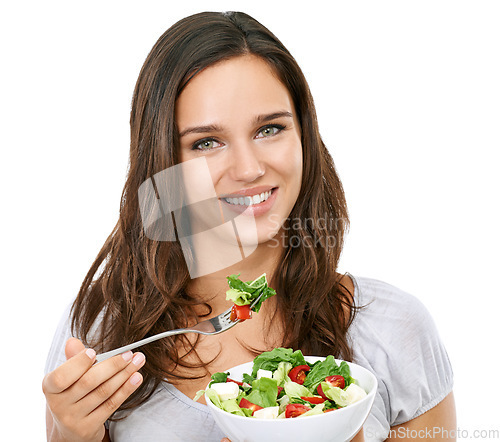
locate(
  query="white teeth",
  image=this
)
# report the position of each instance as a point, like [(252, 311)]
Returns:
[(249, 200)]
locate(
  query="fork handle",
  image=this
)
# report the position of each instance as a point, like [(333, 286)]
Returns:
[(103, 356)]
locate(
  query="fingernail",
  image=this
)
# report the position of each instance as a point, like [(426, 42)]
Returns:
[(135, 379), (138, 359), (90, 353), (127, 356)]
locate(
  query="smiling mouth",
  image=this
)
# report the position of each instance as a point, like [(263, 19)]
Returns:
[(249, 200)]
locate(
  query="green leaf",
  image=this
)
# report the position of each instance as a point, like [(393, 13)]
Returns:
[(320, 370), (336, 394), (264, 392), (248, 378), (198, 395), (281, 373), (218, 378), (231, 406), (244, 293), (294, 390), (345, 371), (239, 297), (214, 397), (270, 360), (317, 409)]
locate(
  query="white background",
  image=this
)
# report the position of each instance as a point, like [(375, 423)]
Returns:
[(408, 98)]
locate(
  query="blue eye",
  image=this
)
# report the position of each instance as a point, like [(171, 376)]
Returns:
[(206, 144)]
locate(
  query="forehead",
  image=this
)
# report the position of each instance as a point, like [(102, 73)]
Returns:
[(230, 91)]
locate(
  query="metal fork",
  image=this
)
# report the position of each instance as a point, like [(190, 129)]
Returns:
[(213, 326)]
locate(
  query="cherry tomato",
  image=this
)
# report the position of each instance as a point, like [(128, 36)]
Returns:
[(298, 374), (313, 399), (334, 381), (241, 312), (294, 410), (232, 380), (245, 403)]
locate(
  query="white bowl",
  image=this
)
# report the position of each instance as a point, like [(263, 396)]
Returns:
[(339, 425)]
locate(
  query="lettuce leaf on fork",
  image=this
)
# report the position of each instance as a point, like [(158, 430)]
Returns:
[(243, 293)]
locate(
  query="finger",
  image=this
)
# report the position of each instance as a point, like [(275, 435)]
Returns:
[(96, 378), (108, 388), (109, 406), (68, 373), (73, 347)]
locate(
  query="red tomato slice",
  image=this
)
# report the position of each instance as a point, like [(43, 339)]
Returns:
[(240, 312), (298, 374), (294, 410), (313, 399), (232, 380), (334, 381), (245, 403)]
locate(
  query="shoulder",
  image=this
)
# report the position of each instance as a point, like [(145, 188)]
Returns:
[(400, 309), (56, 355), (396, 337)]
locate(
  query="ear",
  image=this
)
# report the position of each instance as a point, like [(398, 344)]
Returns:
[(73, 347)]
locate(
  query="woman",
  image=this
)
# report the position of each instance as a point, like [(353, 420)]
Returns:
[(218, 90)]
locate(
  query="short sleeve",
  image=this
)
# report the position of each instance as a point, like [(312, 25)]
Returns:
[(422, 373), (56, 354), (396, 338)]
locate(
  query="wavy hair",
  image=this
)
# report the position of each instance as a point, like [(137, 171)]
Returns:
[(136, 287)]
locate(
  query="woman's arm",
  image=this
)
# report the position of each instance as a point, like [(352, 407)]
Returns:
[(439, 423)]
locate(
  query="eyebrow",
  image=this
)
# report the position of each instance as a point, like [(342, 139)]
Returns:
[(259, 119)]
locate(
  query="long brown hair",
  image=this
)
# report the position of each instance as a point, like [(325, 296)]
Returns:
[(137, 287)]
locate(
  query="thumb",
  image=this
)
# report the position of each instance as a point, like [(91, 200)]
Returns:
[(73, 347)]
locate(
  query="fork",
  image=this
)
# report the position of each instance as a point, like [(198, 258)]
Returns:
[(213, 326)]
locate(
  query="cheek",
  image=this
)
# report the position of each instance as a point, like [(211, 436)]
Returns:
[(294, 164)]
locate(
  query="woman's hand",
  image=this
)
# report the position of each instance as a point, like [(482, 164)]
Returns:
[(82, 395)]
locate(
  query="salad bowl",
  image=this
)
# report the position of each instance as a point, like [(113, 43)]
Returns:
[(340, 425)]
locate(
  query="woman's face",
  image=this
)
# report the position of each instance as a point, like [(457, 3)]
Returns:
[(239, 117)]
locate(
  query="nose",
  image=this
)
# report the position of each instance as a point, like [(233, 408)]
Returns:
[(245, 163)]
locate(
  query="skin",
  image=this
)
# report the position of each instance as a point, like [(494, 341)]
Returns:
[(229, 114), (236, 107), (82, 395)]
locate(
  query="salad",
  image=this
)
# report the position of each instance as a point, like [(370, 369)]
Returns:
[(284, 385), (244, 293)]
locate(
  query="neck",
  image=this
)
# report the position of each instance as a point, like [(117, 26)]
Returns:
[(212, 287)]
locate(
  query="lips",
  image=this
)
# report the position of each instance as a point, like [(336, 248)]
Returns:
[(249, 200), (255, 201)]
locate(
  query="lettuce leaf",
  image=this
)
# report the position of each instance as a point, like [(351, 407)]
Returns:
[(321, 369), (270, 360), (264, 392), (317, 409), (231, 406), (214, 397), (243, 293), (218, 378), (336, 394), (294, 390), (281, 373)]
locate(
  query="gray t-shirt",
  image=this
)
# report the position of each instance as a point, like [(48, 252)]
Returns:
[(393, 336)]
